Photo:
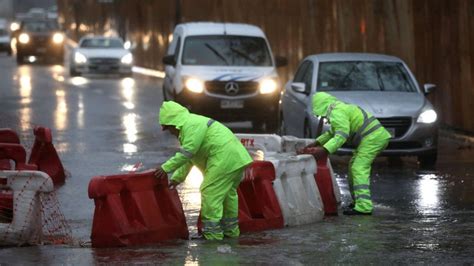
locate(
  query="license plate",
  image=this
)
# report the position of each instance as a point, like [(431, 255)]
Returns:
[(391, 131), (41, 50), (103, 68), (228, 104)]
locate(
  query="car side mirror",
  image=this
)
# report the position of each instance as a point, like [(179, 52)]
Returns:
[(281, 61), (169, 60), (299, 87), (429, 88)]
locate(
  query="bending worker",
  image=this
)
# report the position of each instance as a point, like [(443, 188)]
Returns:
[(350, 123), (220, 156)]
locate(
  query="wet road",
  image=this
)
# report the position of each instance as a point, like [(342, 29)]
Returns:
[(105, 125)]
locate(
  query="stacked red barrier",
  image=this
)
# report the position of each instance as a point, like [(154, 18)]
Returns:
[(324, 181), (259, 209), (7, 135), (44, 155), (258, 205), (133, 209)]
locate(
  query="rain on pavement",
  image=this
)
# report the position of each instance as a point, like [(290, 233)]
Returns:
[(105, 125)]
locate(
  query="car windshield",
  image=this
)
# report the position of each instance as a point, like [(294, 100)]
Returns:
[(226, 50), (102, 43), (364, 76), (39, 26)]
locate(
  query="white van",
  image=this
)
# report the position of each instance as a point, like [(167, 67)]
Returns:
[(225, 71)]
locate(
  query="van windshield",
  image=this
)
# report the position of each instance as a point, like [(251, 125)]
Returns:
[(226, 50), (364, 76)]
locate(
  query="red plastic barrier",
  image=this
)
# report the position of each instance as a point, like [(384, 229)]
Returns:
[(16, 153), (134, 209), (326, 189), (7, 135), (259, 209), (44, 155)]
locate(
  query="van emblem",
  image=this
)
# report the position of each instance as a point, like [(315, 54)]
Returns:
[(232, 88)]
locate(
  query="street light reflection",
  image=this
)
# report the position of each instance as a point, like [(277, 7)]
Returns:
[(130, 124), (60, 114), (128, 89), (25, 94), (191, 195), (79, 81), (428, 189)]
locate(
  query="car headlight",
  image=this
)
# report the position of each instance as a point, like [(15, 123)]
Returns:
[(194, 85), (14, 26), (127, 59), (427, 117), (24, 38), (79, 58), (267, 86), (58, 38)]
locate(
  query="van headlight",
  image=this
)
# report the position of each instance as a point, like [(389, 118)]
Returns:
[(58, 38), (267, 86), (127, 59), (24, 38), (79, 58), (427, 117), (194, 85)]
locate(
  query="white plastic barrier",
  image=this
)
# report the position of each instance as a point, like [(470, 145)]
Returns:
[(294, 185), (292, 144), (26, 221)]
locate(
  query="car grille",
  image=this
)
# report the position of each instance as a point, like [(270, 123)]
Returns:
[(104, 61), (399, 124), (219, 87), (40, 40)]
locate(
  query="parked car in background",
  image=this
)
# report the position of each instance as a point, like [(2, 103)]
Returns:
[(380, 84), (225, 71), (39, 39), (103, 55)]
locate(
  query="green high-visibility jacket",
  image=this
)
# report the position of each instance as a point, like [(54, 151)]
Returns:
[(205, 143), (348, 122)]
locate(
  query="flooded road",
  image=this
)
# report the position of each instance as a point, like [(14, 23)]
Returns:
[(106, 125)]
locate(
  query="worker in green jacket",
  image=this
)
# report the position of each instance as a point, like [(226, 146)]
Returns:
[(350, 123), (220, 156)]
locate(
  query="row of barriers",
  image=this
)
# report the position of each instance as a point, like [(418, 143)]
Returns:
[(29, 210), (284, 189)]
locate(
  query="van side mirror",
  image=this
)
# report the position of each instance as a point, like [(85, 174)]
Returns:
[(298, 87), (281, 61), (169, 60), (429, 88)]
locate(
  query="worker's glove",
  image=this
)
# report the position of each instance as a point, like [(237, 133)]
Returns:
[(311, 145), (173, 184), (317, 152), (160, 173)]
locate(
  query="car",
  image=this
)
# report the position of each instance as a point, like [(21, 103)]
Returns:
[(224, 70), (380, 84), (102, 55), (39, 39)]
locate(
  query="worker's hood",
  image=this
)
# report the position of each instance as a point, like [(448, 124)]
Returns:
[(321, 102), (173, 114)]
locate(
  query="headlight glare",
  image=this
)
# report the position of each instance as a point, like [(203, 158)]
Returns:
[(127, 59), (427, 117), (24, 38), (267, 86), (195, 85), (79, 58), (58, 38)]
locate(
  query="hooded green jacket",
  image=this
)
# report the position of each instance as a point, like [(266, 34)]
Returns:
[(346, 121), (210, 146)]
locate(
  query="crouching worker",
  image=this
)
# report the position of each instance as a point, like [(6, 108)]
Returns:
[(350, 123), (220, 156)]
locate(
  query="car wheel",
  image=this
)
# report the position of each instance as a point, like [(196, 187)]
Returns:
[(428, 160), (307, 130), (73, 72), (282, 128), (20, 60)]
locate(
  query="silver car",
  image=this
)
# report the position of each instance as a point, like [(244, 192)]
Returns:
[(380, 84)]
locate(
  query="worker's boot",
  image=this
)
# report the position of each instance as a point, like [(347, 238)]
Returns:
[(352, 211)]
